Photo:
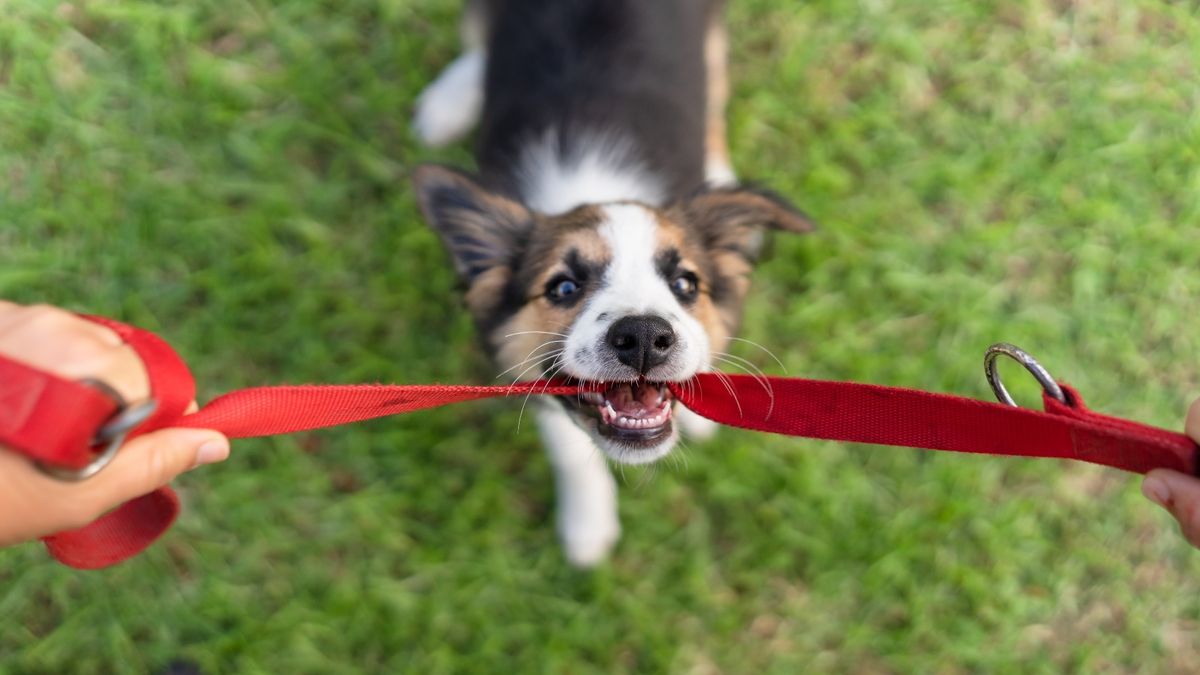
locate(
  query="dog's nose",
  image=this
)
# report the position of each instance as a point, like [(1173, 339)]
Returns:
[(641, 342)]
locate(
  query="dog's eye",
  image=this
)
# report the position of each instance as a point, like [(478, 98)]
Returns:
[(561, 288), (684, 286)]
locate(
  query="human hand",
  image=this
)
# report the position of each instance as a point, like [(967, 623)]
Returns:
[(1177, 492), (33, 504)]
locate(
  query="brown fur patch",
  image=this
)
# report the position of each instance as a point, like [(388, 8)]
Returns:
[(731, 223), (719, 321), (728, 223), (734, 272), (522, 338), (716, 51), (553, 237), (526, 344)]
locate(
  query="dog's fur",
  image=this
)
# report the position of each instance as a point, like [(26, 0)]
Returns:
[(603, 239)]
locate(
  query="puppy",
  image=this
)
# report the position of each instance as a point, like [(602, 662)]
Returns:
[(603, 239)]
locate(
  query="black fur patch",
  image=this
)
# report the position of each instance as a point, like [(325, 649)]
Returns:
[(584, 270), (667, 263), (584, 66)]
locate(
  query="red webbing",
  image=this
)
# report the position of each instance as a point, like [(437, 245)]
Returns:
[(867, 413), (267, 411), (842, 411), (32, 406)]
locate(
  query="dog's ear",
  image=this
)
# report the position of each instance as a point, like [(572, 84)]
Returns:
[(733, 219), (481, 229)]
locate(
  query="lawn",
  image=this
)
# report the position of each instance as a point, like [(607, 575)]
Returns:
[(234, 175)]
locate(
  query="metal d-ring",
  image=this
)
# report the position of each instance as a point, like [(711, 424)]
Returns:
[(111, 435), (1022, 357)]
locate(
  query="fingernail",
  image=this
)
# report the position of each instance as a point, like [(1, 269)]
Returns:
[(212, 451), (1156, 490)]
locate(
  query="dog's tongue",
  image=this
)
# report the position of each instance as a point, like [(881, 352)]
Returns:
[(634, 400)]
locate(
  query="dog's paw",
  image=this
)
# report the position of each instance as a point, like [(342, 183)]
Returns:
[(451, 105), (694, 426), (587, 542)]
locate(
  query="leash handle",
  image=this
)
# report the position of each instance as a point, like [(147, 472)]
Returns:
[(54, 421), (127, 530)]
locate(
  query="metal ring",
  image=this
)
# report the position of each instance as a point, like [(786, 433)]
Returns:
[(111, 435), (1022, 357)]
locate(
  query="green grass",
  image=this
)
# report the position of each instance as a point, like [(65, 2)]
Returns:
[(234, 175)]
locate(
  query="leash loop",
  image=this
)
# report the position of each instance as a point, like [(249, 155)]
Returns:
[(112, 435), (1031, 364)]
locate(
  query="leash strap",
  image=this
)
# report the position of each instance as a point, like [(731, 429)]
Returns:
[(52, 421), (32, 408), (269, 411), (867, 413)]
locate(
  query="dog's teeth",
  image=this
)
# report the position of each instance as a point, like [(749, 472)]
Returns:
[(654, 419)]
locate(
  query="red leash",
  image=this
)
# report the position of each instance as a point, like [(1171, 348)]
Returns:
[(33, 422)]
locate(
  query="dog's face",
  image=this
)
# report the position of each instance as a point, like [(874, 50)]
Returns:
[(620, 294)]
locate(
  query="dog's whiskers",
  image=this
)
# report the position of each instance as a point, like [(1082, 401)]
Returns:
[(752, 370), (680, 456), (649, 473), (725, 381), (536, 332), (769, 353), (548, 357), (689, 386), (555, 367), (544, 358), (530, 355)]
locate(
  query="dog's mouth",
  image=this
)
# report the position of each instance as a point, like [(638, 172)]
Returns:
[(634, 414)]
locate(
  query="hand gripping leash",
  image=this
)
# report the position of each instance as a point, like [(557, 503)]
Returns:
[(72, 429)]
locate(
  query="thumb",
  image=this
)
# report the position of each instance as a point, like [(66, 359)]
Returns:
[(1179, 494), (151, 461)]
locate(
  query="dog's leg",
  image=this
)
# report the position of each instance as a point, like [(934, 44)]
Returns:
[(717, 168), (451, 105), (587, 493)]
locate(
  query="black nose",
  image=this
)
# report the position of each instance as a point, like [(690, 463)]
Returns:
[(641, 342)]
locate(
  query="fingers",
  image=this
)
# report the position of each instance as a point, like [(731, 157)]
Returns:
[(1179, 494), (71, 347), (1192, 426), (151, 461), (33, 504), (119, 367)]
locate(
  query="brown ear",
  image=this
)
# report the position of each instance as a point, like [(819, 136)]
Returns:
[(481, 229), (734, 218)]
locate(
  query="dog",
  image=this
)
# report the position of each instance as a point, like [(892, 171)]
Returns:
[(604, 238)]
